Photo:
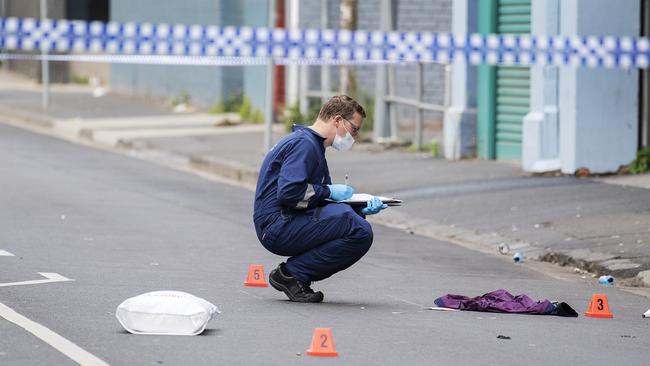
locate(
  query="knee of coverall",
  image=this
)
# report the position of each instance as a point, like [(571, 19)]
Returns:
[(361, 233)]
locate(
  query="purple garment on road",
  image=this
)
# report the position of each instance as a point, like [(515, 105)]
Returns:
[(499, 301)]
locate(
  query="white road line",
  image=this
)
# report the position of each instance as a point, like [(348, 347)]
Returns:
[(5, 253), (71, 350), (408, 302), (50, 277)]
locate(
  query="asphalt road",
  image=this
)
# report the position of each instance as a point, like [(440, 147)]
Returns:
[(119, 227)]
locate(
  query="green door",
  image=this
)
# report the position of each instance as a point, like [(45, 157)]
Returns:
[(504, 92)]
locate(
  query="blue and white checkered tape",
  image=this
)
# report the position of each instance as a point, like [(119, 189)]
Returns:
[(243, 45)]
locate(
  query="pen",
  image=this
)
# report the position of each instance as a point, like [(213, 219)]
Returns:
[(346, 179)]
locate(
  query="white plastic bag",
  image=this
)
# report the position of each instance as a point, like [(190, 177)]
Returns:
[(165, 312)]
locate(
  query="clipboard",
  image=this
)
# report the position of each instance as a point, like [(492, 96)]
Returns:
[(361, 199)]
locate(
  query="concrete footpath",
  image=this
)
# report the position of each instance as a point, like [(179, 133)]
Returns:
[(597, 225)]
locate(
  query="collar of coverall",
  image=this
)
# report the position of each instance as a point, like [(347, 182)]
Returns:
[(295, 128)]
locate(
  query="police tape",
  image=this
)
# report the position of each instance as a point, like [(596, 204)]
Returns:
[(215, 45), (181, 60)]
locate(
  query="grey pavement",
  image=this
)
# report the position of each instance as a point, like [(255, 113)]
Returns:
[(120, 227), (590, 224)]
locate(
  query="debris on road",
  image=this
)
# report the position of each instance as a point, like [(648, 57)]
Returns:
[(606, 280), (502, 337), (437, 308), (646, 314), (518, 257), (166, 313), (504, 248), (501, 301)]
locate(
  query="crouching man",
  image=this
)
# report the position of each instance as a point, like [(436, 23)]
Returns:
[(294, 214)]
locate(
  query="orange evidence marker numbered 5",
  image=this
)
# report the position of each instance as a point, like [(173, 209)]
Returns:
[(322, 344), (255, 276), (599, 308)]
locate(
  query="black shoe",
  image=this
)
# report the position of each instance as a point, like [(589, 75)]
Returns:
[(295, 290)]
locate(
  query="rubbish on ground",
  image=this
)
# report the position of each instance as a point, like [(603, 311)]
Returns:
[(502, 337), (606, 280), (501, 301), (437, 308), (564, 309), (180, 108), (99, 92), (165, 313), (322, 343), (647, 314), (599, 307), (255, 276), (504, 248), (518, 258)]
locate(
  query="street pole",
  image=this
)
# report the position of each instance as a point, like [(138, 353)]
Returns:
[(3, 14), (381, 126), (293, 70), (45, 66), (325, 84), (268, 112)]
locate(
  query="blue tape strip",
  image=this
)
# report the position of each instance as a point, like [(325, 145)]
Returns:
[(312, 46)]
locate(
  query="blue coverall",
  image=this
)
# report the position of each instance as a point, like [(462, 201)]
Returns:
[(292, 217)]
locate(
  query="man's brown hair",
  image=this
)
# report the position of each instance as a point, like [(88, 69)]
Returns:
[(341, 105)]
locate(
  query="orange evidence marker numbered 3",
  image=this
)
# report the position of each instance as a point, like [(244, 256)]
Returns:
[(322, 343), (599, 308), (255, 276)]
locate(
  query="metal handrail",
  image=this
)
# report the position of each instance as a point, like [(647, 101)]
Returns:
[(411, 102)]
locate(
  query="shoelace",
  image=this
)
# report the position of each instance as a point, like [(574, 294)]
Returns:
[(304, 287)]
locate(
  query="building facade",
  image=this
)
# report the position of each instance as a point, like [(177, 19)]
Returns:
[(549, 118), (205, 85)]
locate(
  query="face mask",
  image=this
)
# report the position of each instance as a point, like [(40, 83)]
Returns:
[(343, 143)]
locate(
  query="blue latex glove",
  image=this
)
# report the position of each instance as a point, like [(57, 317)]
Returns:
[(374, 206), (340, 192)]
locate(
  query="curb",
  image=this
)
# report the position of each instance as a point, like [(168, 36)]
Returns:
[(225, 169), (30, 118)]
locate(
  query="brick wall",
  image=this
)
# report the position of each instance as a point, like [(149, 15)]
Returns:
[(412, 15)]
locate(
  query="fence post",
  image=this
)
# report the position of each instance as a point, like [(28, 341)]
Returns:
[(268, 108), (447, 101), (418, 115)]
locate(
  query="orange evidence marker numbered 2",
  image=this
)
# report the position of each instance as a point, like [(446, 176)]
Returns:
[(599, 308), (322, 344), (255, 276)]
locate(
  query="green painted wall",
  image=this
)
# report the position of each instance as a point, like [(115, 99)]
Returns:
[(486, 84), (503, 92)]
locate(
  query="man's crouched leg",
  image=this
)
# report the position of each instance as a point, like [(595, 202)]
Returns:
[(295, 290)]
